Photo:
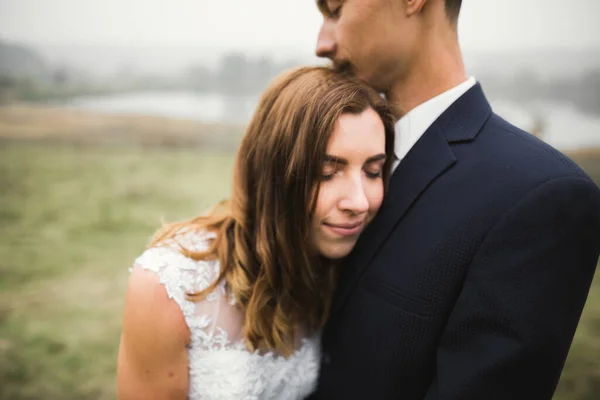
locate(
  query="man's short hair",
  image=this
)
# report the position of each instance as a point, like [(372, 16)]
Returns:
[(453, 9)]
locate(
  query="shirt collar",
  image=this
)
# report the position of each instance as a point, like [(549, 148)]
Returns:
[(413, 125)]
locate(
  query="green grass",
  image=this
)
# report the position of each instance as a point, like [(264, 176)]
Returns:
[(72, 219), (71, 222)]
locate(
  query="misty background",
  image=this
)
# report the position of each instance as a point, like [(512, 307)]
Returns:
[(119, 115), (538, 60)]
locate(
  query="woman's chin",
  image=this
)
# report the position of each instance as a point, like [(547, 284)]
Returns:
[(336, 252)]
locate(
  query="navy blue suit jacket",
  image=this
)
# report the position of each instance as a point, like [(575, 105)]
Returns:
[(470, 282)]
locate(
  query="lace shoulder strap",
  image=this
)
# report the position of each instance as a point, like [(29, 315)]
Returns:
[(214, 321)]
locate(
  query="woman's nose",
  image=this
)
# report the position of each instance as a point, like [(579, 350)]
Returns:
[(355, 199)]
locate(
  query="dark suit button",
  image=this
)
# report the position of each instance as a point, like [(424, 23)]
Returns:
[(326, 358)]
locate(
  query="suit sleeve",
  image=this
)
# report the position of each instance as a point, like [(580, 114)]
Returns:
[(510, 330)]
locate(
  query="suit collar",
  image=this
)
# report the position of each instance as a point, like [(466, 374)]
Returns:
[(463, 120)]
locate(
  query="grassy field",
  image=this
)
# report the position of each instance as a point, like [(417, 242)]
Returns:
[(71, 221), (73, 216)]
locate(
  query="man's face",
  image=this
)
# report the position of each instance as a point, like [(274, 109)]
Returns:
[(371, 39)]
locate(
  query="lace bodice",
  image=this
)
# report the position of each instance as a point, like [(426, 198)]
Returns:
[(220, 366)]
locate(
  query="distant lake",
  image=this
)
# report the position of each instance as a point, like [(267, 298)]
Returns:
[(205, 107), (562, 125)]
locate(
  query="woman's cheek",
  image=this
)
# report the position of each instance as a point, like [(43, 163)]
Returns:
[(376, 196)]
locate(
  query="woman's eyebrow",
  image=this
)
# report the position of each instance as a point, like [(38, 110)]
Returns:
[(335, 160), (378, 157), (343, 161)]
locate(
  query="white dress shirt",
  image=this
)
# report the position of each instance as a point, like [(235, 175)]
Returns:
[(413, 125)]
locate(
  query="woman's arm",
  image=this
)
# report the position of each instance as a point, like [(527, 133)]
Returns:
[(153, 361)]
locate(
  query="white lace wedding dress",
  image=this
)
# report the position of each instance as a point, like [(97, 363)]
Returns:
[(220, 366)]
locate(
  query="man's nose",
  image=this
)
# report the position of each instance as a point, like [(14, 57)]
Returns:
[(326, 45)]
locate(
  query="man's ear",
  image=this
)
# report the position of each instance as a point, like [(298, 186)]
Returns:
[(412, 7)]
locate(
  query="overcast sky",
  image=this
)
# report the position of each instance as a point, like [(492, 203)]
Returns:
[(260, 24)]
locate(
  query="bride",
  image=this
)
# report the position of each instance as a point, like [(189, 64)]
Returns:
[(230, 305)]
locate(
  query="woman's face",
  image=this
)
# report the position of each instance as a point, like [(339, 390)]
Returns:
[(351, 188)]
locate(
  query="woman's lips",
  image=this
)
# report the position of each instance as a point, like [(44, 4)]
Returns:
[(347, 229)]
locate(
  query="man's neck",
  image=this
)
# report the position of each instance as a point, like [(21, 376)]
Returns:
[(438, 68)]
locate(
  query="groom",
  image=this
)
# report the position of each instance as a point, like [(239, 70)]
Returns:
[(470, 282)]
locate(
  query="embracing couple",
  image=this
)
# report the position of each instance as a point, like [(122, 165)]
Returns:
[(417, 247)]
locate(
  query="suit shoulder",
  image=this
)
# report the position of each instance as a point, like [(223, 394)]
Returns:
[(521, 148)]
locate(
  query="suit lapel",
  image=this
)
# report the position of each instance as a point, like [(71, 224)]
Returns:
[(428, 159)]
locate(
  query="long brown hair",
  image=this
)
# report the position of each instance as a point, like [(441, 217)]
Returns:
[(262, 234)]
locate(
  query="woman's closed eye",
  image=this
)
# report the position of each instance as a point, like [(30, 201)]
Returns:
[(374, 174), (331, 167), (374, 166), (328, 174), (371, 173)]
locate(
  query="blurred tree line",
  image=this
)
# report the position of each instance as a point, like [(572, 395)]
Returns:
[(236, 74), (26, 76)]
